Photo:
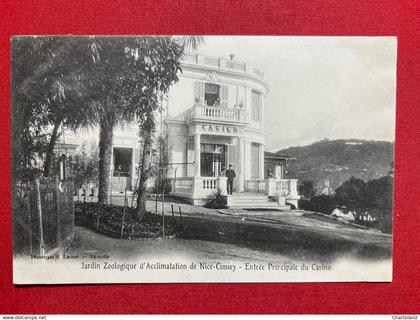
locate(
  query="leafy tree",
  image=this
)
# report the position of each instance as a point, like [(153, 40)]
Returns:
[(322, 203), (369, 202), (131, 73), (161, 55), (47, 93), (85, 166), (380, 195), (352, 196)]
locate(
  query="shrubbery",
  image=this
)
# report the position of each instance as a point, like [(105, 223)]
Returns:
[(370, 203), (110, 221), (165, 186), (216, 200), (322, 203)]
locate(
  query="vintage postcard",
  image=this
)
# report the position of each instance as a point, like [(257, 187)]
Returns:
[(168, 159)]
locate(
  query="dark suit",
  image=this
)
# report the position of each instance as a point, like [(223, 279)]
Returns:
[(230, 174)]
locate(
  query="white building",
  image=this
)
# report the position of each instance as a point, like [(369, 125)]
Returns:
[(215, 117)]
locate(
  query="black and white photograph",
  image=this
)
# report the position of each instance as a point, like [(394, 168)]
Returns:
[(202, 159)]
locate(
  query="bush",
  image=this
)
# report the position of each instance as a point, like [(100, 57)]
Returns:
[(323, 204), (371, 202), (166, 187), (110, 221), (216, 200)]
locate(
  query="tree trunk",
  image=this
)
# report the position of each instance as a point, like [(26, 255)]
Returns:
[(16, 142), (105, 153), (145, 165), (50, 149)]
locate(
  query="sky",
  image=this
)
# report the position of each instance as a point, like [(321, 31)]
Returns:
[(320, 87)]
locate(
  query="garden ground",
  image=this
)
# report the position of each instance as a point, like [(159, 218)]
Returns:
[(287, 236)]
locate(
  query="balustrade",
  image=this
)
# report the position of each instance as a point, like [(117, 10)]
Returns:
[(222, 63), (213, 113)]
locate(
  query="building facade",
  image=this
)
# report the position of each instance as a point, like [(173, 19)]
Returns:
[(214, 117)]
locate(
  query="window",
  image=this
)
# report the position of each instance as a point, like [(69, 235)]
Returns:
[(122, 162), (255, 161), (255, 105), (212, 94)]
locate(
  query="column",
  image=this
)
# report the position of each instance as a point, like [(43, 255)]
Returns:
[(241, 164), (133, 169), (197, 155), (261, 162)]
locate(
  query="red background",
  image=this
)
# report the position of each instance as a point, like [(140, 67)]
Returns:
[(320, 17)]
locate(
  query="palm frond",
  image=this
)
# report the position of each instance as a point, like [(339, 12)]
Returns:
[(192, 42)]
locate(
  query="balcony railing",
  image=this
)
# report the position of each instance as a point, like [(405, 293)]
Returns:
[(203, 112), (222, 64)]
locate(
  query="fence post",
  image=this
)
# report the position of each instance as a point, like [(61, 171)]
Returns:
[(172, 208), (39, 212), (180, 215), (123, 217), (57, 212), (30, 222)]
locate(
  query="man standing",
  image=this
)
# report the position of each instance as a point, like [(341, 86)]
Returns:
[(230, 174)]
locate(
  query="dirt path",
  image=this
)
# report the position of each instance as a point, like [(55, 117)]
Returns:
[(88, 242), (293, 235)]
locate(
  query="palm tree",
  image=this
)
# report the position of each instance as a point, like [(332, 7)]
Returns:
[(68, 108), (47, 93), (192, 42)]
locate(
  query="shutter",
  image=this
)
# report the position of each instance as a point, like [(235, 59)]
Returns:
[(198, 92), (224, 96)]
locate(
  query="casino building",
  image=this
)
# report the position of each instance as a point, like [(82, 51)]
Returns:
[(214, 117)]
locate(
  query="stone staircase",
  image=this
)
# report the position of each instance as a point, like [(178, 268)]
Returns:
[(248, 200)]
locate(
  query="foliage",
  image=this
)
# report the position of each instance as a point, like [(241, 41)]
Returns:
[(329, 163), (49, 92), (85, 166), (83, 81), (164, 185), (322, 203), (162, 55), (306, 190), (111, 218), (352, 195), (371, 203), (216, 200)]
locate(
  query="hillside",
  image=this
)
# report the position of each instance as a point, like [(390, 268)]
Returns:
[(328, 163)]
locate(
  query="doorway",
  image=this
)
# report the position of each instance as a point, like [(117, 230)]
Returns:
[(213, 160)]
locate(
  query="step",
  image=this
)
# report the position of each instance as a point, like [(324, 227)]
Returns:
[(254, 204), (276, 208)]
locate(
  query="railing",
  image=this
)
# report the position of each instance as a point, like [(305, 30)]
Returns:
[(43, 216), (282, 187), (273, 187), (210, 184), (182, 185), (189, 57), (223, 64), (212, 61), (258, 72), (198, 187), (213, 113), (236, 66)]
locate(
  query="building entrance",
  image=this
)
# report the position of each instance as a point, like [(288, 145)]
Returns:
[(213, 160)]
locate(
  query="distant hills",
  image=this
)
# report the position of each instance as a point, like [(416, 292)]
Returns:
[(328, 163)]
